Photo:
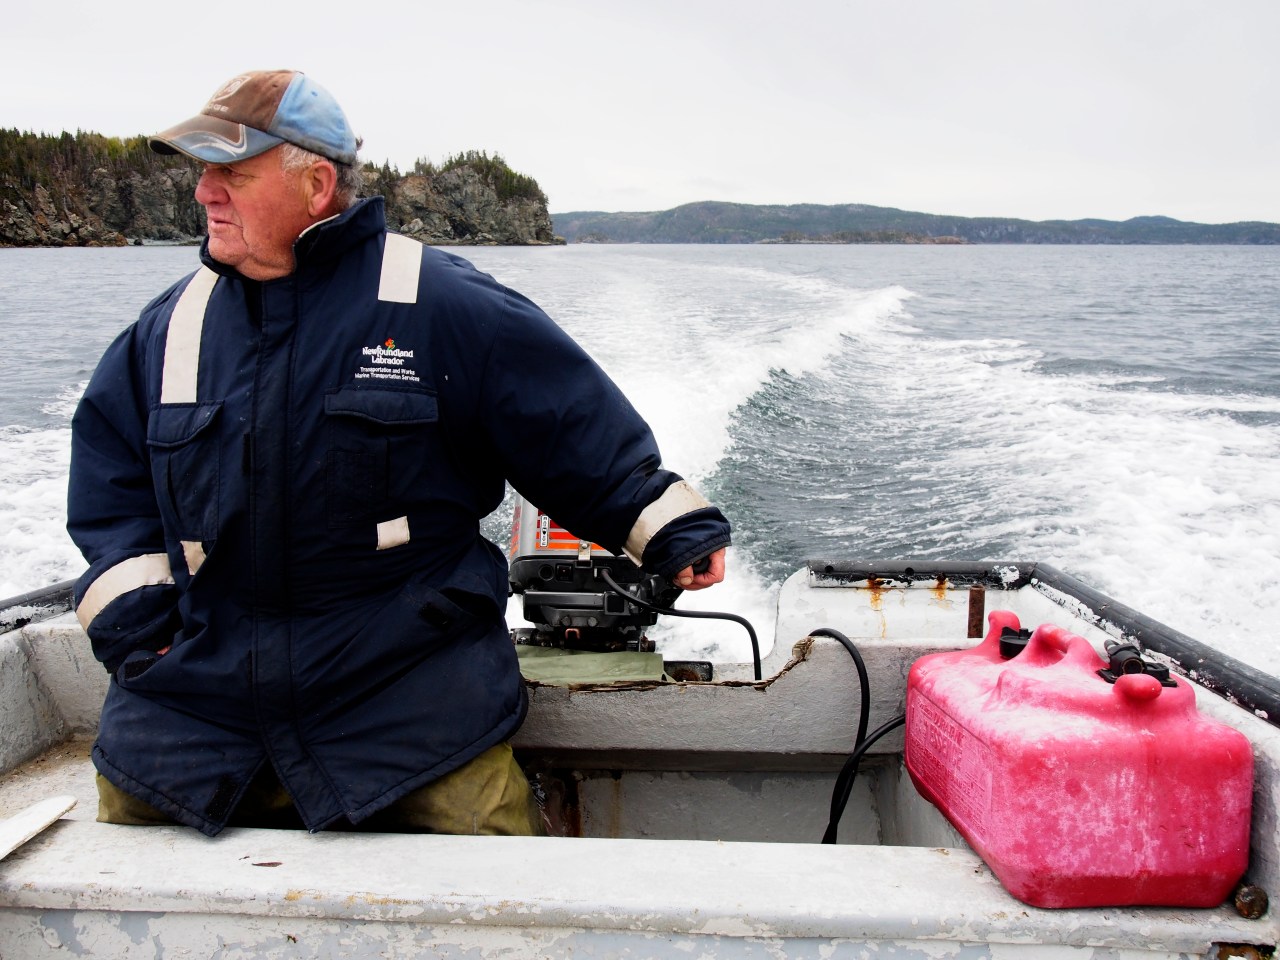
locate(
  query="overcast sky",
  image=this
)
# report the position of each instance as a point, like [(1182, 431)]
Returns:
[(1019, 108)]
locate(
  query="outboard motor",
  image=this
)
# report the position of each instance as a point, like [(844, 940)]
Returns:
[(564, 596)]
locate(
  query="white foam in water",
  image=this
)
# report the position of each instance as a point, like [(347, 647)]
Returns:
[(687, 361), (35, 550), (64, 404), (1168, 508), (34, 547)]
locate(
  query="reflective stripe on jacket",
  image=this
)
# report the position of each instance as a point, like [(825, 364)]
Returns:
[(282, 483)]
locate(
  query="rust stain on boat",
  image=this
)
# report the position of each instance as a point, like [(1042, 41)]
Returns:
[(875, 593)]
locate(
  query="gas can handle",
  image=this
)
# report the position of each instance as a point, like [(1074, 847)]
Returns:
[(1001, 623), (1048, 644)]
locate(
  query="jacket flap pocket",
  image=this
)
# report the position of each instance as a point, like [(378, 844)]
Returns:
[(382, 406), (175, 424)]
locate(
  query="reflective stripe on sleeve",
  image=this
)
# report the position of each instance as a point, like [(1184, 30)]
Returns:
[(677, 500), (182, 342), (393, 533), (401, 264), (193, 550), (147, 570)]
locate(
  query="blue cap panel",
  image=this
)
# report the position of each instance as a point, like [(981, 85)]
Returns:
[(309, 117)]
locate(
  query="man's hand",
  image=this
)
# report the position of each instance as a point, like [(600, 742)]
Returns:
[(688, 580)]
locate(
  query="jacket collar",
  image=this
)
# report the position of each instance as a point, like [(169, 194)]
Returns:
[(321, 242)]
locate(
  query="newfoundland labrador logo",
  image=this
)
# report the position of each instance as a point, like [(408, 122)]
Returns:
[(386, 361), (387, 353)]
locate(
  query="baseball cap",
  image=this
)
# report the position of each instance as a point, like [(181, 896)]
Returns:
[(253, 112)]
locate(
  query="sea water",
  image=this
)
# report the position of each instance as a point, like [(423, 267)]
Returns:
[(1114, 411)]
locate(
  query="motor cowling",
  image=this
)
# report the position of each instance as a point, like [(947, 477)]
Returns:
[(564, 596)]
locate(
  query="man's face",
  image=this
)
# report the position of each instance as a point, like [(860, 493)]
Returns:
[(255, 212)]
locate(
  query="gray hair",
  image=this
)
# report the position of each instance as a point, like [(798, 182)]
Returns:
[(350, 178)]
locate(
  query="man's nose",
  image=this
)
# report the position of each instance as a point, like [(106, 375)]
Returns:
[(208, 190)]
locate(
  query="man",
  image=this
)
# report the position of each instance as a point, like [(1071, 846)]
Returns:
[(277, 478)]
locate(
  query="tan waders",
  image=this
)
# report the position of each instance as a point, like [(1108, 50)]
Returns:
[(490, 795)]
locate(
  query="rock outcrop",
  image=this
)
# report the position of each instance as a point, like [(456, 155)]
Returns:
[(38, 218), (461, 206), (160, 206)]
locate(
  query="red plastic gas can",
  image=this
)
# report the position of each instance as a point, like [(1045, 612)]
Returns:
[(1075, 791)]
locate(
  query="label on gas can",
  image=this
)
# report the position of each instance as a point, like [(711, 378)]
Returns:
[(947, 755)]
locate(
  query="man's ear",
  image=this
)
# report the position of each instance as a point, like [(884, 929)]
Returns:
[(320, 187)]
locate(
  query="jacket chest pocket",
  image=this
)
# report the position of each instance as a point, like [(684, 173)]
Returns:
[(185, 458), (378, 443)]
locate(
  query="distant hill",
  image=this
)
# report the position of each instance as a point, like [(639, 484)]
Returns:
[(714, 222)]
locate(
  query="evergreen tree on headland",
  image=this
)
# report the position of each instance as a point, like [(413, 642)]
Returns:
[(30, 159)]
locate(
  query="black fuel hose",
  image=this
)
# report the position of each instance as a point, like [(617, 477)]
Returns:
[(844, 781), (862, 742), (691, 614), (864, 683)]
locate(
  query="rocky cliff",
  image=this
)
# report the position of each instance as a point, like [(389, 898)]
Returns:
[(105, 211), (88, 190), (461, 206)]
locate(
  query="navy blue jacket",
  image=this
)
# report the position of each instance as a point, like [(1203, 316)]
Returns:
[(282, 483)]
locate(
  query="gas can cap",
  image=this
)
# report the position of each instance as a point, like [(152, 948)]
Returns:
[(1013, 640), (1127, 660)]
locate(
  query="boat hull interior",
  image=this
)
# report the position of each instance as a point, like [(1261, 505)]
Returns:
[(685, 817)]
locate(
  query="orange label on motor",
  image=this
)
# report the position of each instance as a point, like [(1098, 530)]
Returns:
[(552, 536)]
